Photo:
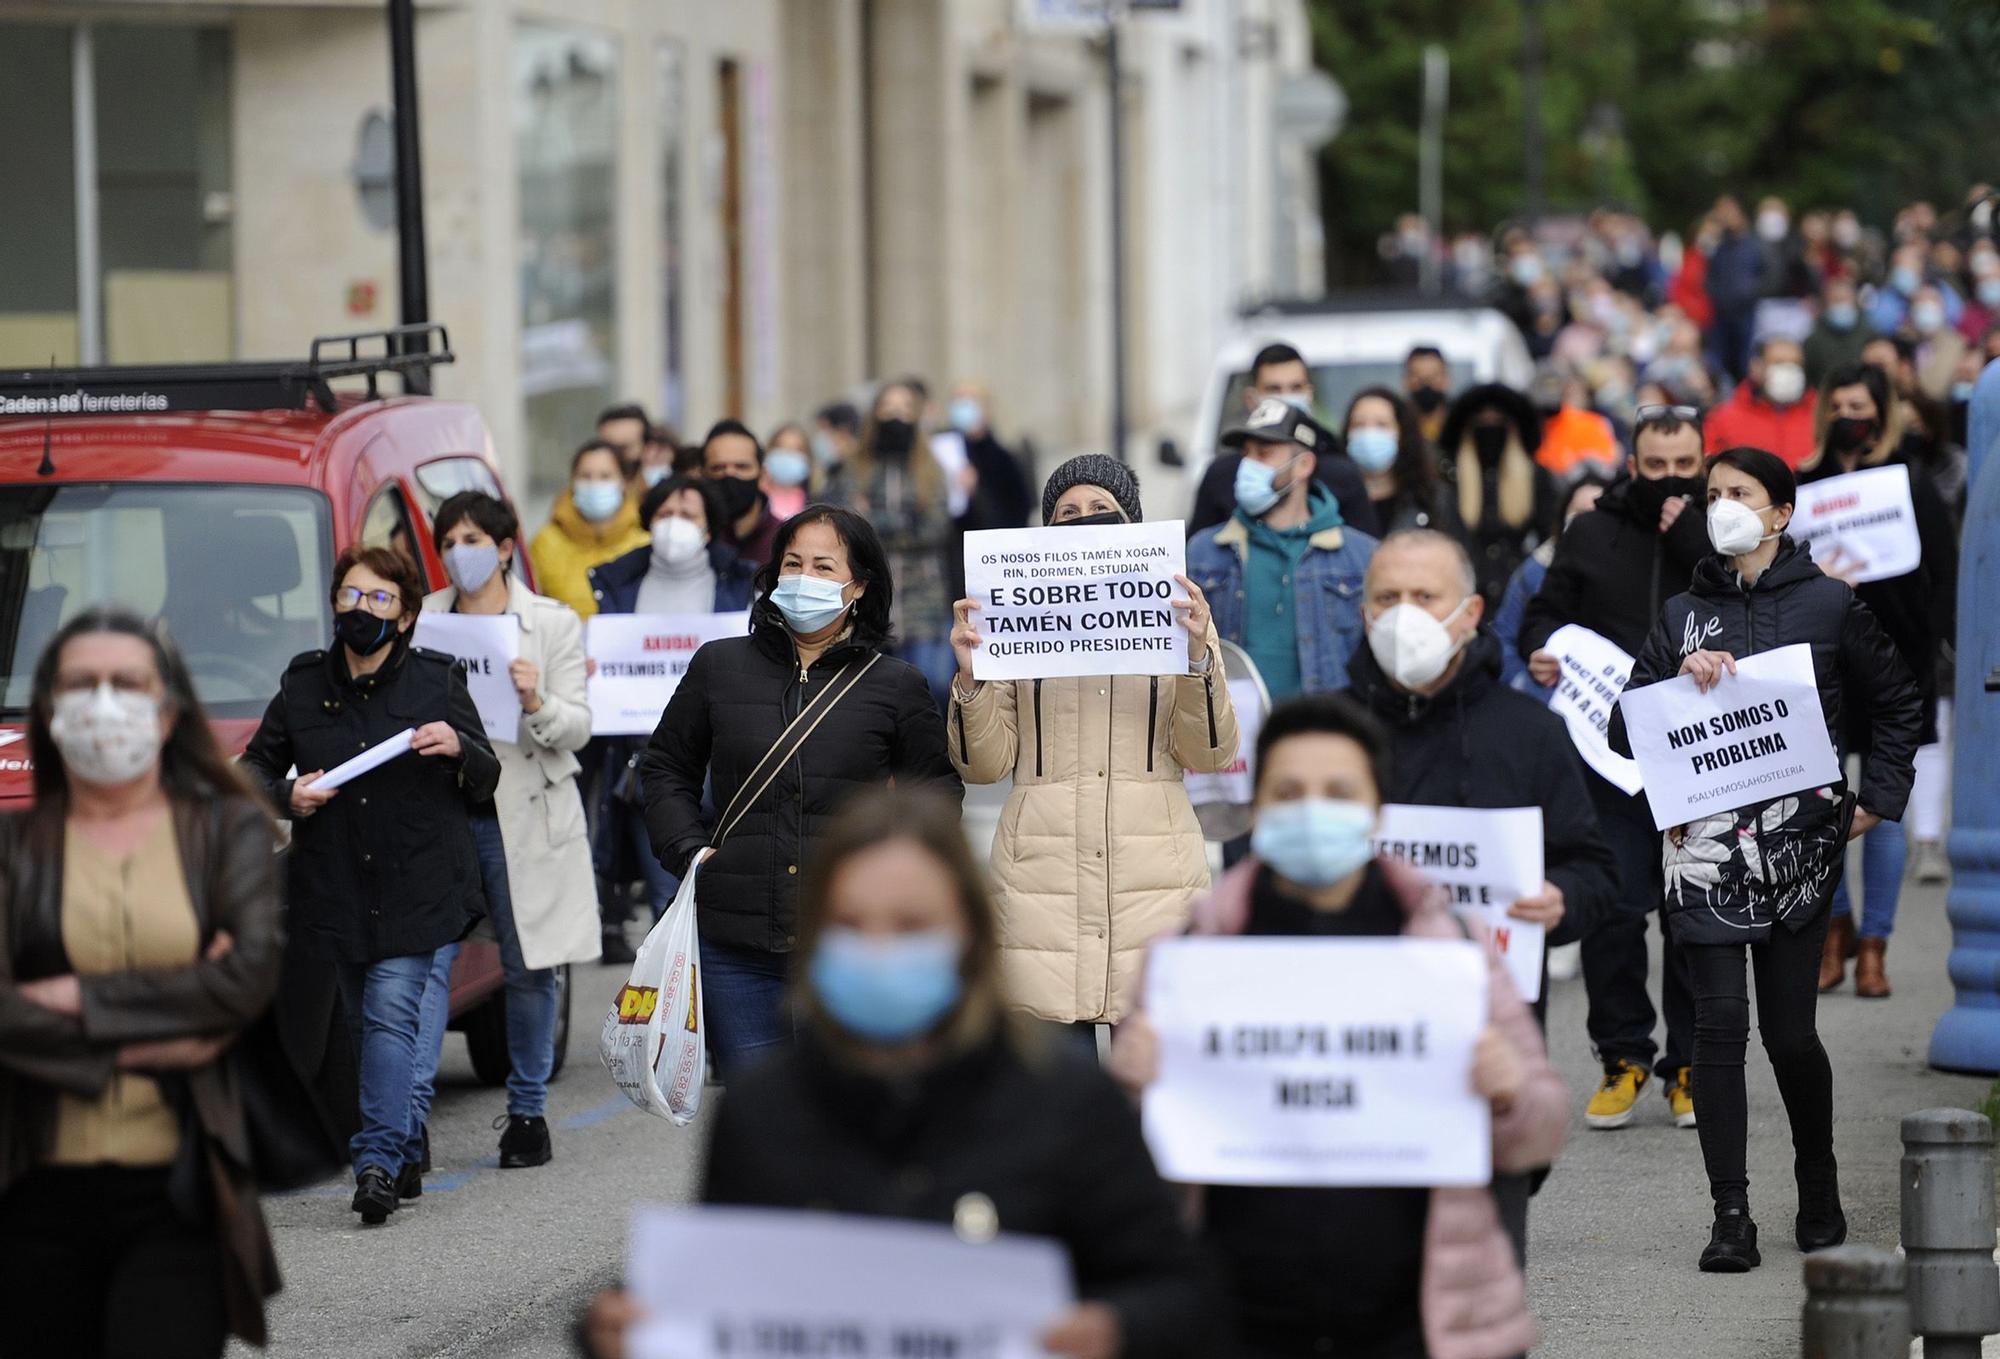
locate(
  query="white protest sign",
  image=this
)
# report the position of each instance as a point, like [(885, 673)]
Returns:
[(1757, 735), (640, 660), (1594, 672), (754, 1282), (1488, 859), (1864, 516), (1317, 1061), (1077, 601), (485, 645), (1236, 785)]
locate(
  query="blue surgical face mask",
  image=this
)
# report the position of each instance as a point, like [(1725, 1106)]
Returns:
[(470, 567), (1962, 391), (824, 449), (656, 473), (1373, 450), (597, 501), (1904, 279), (1842, 315), (887, 990), (1314, 842), (1257, 486), (966, 414), (787, 467), (1298, 401), (809, 603), (1989, 291)]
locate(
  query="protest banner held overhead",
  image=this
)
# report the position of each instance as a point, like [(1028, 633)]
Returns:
[(1077, 601), (1318, 1061), (1866, 519), (1758, 734), (759, 1282), (1488, 859), (486, 645), (641, 658), (1594, 672)]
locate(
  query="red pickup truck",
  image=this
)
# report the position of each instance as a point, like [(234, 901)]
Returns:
[(217, 497)]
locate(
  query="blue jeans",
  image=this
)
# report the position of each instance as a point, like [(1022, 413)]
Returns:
[(1882, 856), (938, 663), (384, 1001), (531, 997), (743, 990)]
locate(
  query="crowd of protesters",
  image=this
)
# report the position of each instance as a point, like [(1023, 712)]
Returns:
[(1394, 575)]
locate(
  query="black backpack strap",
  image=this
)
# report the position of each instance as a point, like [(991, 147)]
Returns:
[(786, 746)]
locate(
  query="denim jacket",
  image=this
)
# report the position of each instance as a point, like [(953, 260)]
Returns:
[(1328, 582)]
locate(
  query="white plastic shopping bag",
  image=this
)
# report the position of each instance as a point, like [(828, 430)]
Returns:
[(654, 1036)]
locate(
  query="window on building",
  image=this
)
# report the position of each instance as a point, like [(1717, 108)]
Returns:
[(565, 138)]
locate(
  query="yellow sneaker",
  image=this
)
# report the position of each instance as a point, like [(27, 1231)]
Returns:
[(1611, 1106), (1680, 1098)]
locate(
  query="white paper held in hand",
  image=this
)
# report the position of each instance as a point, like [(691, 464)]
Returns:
[(374, 757), (757, 1281)]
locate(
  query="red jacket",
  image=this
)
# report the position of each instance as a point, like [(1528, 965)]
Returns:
[(1746, 419)]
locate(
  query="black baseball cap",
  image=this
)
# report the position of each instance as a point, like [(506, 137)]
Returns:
[(1276, 422)]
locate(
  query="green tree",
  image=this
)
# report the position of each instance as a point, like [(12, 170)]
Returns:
[(1660, 105)]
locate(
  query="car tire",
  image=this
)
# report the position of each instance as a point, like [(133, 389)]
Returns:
[(486, 1034)]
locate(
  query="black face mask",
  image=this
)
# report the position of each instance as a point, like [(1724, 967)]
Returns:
[(1846, 435), (1651, 494), (737, 494), (1429, 400), (362, 632), (1489, 441), (893, 438), (1092, 520)]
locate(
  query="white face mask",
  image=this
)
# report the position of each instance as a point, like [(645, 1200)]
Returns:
[(1735, 528), (677, 541), (107, 736), (1413, 647), (1784, 383)]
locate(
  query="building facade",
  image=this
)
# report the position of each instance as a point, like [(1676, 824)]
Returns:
[(714, 209)]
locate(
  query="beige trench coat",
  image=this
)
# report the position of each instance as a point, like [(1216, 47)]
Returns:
[(1098, 851), (549, 874)]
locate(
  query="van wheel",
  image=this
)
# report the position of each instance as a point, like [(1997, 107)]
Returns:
[(486, 1034)]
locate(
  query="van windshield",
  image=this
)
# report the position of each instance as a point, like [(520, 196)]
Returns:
[(237, 572), (1334, 385)]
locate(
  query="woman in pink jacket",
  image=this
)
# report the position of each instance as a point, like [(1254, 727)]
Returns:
[(1364, 1273)]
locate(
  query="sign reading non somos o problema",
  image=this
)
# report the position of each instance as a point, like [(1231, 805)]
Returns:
[(1077, 601), (1318, 1061), (641, 658), (1758, 734)]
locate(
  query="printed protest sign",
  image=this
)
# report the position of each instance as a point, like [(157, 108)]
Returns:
[(1077, 601), (485, 645), (755, 1282), (1488, 859), (1866, 517), (1287, 1061), (1757, 735), (640, 660), (1594, 672)]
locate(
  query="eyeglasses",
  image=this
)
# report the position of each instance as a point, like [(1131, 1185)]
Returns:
[(1688, 414), (347, 597)]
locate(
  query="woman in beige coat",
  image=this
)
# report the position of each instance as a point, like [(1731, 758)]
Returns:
[(534, 853), (1098, 851)]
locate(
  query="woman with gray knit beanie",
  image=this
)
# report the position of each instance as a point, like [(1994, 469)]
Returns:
[(1098, 851)]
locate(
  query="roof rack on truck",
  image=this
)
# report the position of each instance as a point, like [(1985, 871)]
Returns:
[(258, 385)]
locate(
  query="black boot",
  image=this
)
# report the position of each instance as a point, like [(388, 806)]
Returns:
[(525, 1143), (1732, 1245), (1820, 1223), (410, 1180), (374, 1195)]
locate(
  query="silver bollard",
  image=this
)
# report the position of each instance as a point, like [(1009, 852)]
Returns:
[(1856, 1307), (1954, 1286)]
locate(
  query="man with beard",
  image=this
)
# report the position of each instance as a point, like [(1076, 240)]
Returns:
[(1614, 569)]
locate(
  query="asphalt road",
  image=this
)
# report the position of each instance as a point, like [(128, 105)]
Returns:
[(493, 1263)]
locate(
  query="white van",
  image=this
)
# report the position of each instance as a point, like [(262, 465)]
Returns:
[(1351, 346)]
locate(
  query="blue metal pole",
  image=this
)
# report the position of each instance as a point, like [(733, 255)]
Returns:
[(1968, 1037)]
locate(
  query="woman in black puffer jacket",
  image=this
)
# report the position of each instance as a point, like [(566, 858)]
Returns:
[(1763, 874), (823, 611)]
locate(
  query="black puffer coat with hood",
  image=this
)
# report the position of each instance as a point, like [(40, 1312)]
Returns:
[(1730, 876)]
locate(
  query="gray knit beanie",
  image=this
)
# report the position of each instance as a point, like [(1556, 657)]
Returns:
[(1093, 469)]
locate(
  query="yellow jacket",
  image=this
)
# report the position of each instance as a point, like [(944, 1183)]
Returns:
[(569, 545)]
